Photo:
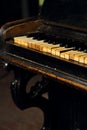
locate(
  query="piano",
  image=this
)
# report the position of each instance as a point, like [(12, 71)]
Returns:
[(54, 45)]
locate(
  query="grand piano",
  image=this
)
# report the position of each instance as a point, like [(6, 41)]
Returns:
[(54, 45)]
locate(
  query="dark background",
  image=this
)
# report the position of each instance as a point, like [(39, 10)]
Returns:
[(73, 12), (16, 9)]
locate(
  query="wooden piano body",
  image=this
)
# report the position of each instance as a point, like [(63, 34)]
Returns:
[(65, 80)]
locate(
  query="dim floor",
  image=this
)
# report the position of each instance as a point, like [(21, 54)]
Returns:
[(11, 117)]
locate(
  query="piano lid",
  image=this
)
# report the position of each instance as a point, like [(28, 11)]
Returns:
[(71, 12)]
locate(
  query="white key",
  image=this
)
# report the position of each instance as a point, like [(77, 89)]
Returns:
[(78, 55), (71, 54), (58, 51), (85, 60), (82, 58), (21, 41)]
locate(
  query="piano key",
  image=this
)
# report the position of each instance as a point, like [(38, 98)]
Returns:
[(85, 60), (64, 50), (36, 35), (50, 39), (44, 46), (49, 47), (35, 44), (17, 39), (21, 41), (67, 54), (82, 58), (62, 41), (77, 45), (54, 49), (73, 55), (31, 43), (77, 56), (39, 45), (58, 51)]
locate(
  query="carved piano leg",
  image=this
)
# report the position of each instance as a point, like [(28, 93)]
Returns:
[(34, 97)]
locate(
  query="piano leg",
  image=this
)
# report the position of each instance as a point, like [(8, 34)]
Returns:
[(65, 108), (34, 97)]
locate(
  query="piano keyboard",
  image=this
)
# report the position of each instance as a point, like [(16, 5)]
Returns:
[(54, 48)]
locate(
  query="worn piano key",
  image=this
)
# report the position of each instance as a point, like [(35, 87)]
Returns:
[(78, 55), (65, 54), (31, 43), (54, 49), (22, 41), (17, 40), (25, 42), (68, 54), (82, 58), (58, 51), (85, 60), (40, 45), (37, 44), (49, 47), (43, 46), (73, 55)]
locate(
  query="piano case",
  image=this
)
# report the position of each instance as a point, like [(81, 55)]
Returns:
[(63, 18), (67, 20)]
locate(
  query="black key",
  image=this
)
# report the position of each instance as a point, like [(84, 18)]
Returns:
[(79, 46), (33, 34), (76, 45), (36, 35), (51, 39), (62, 42)]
